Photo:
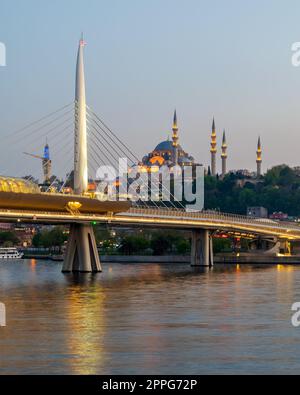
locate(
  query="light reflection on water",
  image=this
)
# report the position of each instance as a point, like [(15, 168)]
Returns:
[(149, 318)]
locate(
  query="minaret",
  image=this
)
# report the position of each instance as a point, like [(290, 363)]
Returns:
[(258, 158), (80, 150), (175, 139), (224, 155), (213, 150)]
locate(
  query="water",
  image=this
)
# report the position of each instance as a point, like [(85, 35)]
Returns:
[(149, 319)]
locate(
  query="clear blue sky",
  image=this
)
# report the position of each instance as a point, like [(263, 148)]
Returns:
[(144, 58)]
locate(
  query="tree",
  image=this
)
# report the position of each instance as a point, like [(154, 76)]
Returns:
[(134, 245), (8, 239), (160, 244), (48, 239), (183, 246), (37, 240), (221, 245)]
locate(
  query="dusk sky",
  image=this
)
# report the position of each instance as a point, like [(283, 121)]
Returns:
[(231, 60)]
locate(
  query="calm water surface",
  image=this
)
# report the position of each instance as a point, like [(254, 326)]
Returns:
[(149, 318)]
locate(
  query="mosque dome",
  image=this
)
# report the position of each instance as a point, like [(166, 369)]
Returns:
[(164, 146), (169, 152)]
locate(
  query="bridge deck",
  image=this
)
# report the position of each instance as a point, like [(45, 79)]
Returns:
[(162, 218)]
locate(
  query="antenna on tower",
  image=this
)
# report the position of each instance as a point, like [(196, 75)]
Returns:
[(82, 41)]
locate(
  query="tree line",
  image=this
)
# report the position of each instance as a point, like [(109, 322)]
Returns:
[(277, 190)]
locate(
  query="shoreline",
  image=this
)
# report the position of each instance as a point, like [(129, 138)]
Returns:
[(219, 259)]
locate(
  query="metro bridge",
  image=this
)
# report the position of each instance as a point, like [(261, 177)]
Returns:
[(202, 224), (22, 201)]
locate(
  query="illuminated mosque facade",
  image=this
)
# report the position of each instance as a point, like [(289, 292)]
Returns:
[(169, 152)]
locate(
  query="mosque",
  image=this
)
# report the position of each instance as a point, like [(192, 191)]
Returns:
[(170, 153)]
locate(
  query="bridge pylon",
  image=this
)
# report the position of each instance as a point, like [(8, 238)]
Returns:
[(82, 254), (202, 248)]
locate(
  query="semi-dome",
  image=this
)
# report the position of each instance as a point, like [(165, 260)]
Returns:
[(157, 160)]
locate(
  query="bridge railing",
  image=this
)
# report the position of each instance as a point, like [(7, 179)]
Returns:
[(225, 220), (215, 216)]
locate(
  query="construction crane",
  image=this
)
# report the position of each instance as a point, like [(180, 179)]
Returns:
[(46, 163)]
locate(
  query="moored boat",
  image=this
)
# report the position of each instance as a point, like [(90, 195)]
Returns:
[(10, 253)]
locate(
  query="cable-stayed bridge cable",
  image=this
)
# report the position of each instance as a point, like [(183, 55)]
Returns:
[(116, 137), (133, 158), (38, 121)]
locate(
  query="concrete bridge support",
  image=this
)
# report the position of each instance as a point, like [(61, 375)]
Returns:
[(82, 254), (270, 245), (202, 248)]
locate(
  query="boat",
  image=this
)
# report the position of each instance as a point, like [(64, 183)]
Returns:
[(57, 258), (10, 253)]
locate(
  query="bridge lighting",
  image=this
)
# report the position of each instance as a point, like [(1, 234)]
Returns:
[(73, 207), (94, 223)]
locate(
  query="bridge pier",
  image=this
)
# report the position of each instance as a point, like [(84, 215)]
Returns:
[(202, 248), (81, 254)]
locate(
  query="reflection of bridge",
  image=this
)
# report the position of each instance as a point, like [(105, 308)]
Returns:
[(80, 210)]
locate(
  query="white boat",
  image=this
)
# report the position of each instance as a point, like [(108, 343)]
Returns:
[(10, 253)]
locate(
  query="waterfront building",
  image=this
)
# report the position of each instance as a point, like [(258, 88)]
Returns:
[(257, 212)]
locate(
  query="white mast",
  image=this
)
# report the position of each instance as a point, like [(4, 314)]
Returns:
[(80, 154), (81, 253)]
